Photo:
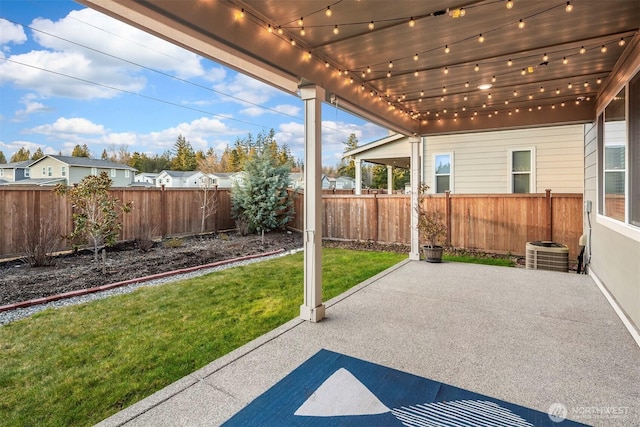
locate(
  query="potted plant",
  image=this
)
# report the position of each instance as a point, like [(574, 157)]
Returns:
[(433, 229)]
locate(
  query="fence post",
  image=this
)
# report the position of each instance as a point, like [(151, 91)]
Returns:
[(163, 212), (447, 213), (549, 214)]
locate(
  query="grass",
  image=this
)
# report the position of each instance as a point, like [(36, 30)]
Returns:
[(81, 364), (501, 262)]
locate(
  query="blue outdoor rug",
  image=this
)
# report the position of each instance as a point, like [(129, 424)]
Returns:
[(331, 389)]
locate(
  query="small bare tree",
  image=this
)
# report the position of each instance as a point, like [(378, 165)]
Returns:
[(40, 240), (207, 200)]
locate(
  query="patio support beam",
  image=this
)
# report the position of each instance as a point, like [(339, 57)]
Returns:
[(415, 197), (389, 179), (312, 308), (358, 166)]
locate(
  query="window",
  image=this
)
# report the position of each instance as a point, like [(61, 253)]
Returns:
[(113, 173), (522, 177), (94, 171), (49, 170), (63, 171), (443, 171), (614, 166), (27, 172)]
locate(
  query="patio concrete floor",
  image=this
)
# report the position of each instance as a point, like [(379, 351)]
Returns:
[(533, 338)]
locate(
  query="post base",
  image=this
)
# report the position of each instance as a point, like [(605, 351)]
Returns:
[(312, 314)]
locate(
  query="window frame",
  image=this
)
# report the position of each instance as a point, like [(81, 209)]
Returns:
[(531, 172), (450, 174)]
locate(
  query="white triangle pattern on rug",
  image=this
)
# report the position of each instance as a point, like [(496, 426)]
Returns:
[(341, 394)]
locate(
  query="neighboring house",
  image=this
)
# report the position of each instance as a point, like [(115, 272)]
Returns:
[(493, 162), (53, 169), (16, 171), (184, 179), (146, 178)]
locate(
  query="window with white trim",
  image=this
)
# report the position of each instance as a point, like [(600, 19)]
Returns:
[(443, 172), (521, 170)]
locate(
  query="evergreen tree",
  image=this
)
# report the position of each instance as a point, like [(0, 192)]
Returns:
[(185, 157), (38, 154), (3, 159), (348, 166), (262, 200), (81, 151), (21, 155)]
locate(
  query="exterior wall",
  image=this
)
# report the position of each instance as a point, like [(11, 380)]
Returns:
[(480, 160)]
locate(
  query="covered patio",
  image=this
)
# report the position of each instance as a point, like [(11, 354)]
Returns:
[(533, 338)]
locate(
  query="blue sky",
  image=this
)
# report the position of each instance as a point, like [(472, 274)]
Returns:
[(70, 75)]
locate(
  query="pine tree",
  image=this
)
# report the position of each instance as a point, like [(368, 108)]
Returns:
[(38, 154), (185, 157), (21, 155), (348, 166), (3, 159), (262, 200), (81, 151)]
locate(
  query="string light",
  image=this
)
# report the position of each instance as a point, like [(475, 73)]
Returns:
[(328, 12), (336, 30), (509, 4), (521, 24), (447, 50), (568, 7)]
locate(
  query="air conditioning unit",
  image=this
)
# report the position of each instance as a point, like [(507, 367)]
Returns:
[(544, 255)]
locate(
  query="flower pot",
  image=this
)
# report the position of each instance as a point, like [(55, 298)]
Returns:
[(432, 253)]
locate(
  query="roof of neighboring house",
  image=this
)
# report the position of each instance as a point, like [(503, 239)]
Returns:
[(37, 181), (16, 165), (86, 162), (179, 174)]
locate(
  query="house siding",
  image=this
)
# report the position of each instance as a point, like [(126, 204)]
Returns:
[(481, 159)]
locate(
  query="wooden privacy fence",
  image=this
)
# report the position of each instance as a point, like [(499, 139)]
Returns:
[(160, 212), (501, 223), (493, 223)]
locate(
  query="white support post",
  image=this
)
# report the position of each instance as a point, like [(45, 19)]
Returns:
[(358, 166), (389, 179), (415, 197), (312, 308)]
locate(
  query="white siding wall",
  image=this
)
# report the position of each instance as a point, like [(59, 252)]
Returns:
[(481, 159)]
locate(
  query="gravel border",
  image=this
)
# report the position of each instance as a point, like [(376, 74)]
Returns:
[(7, 317)]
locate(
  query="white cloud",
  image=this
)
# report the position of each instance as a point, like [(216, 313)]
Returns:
[(31, 106), (11, 33), (70, 127), (105, 34), (28, 71)]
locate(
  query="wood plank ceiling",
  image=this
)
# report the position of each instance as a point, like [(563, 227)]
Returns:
[(415, 66)]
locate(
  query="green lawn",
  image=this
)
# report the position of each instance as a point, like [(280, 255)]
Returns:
[(80, 364)]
